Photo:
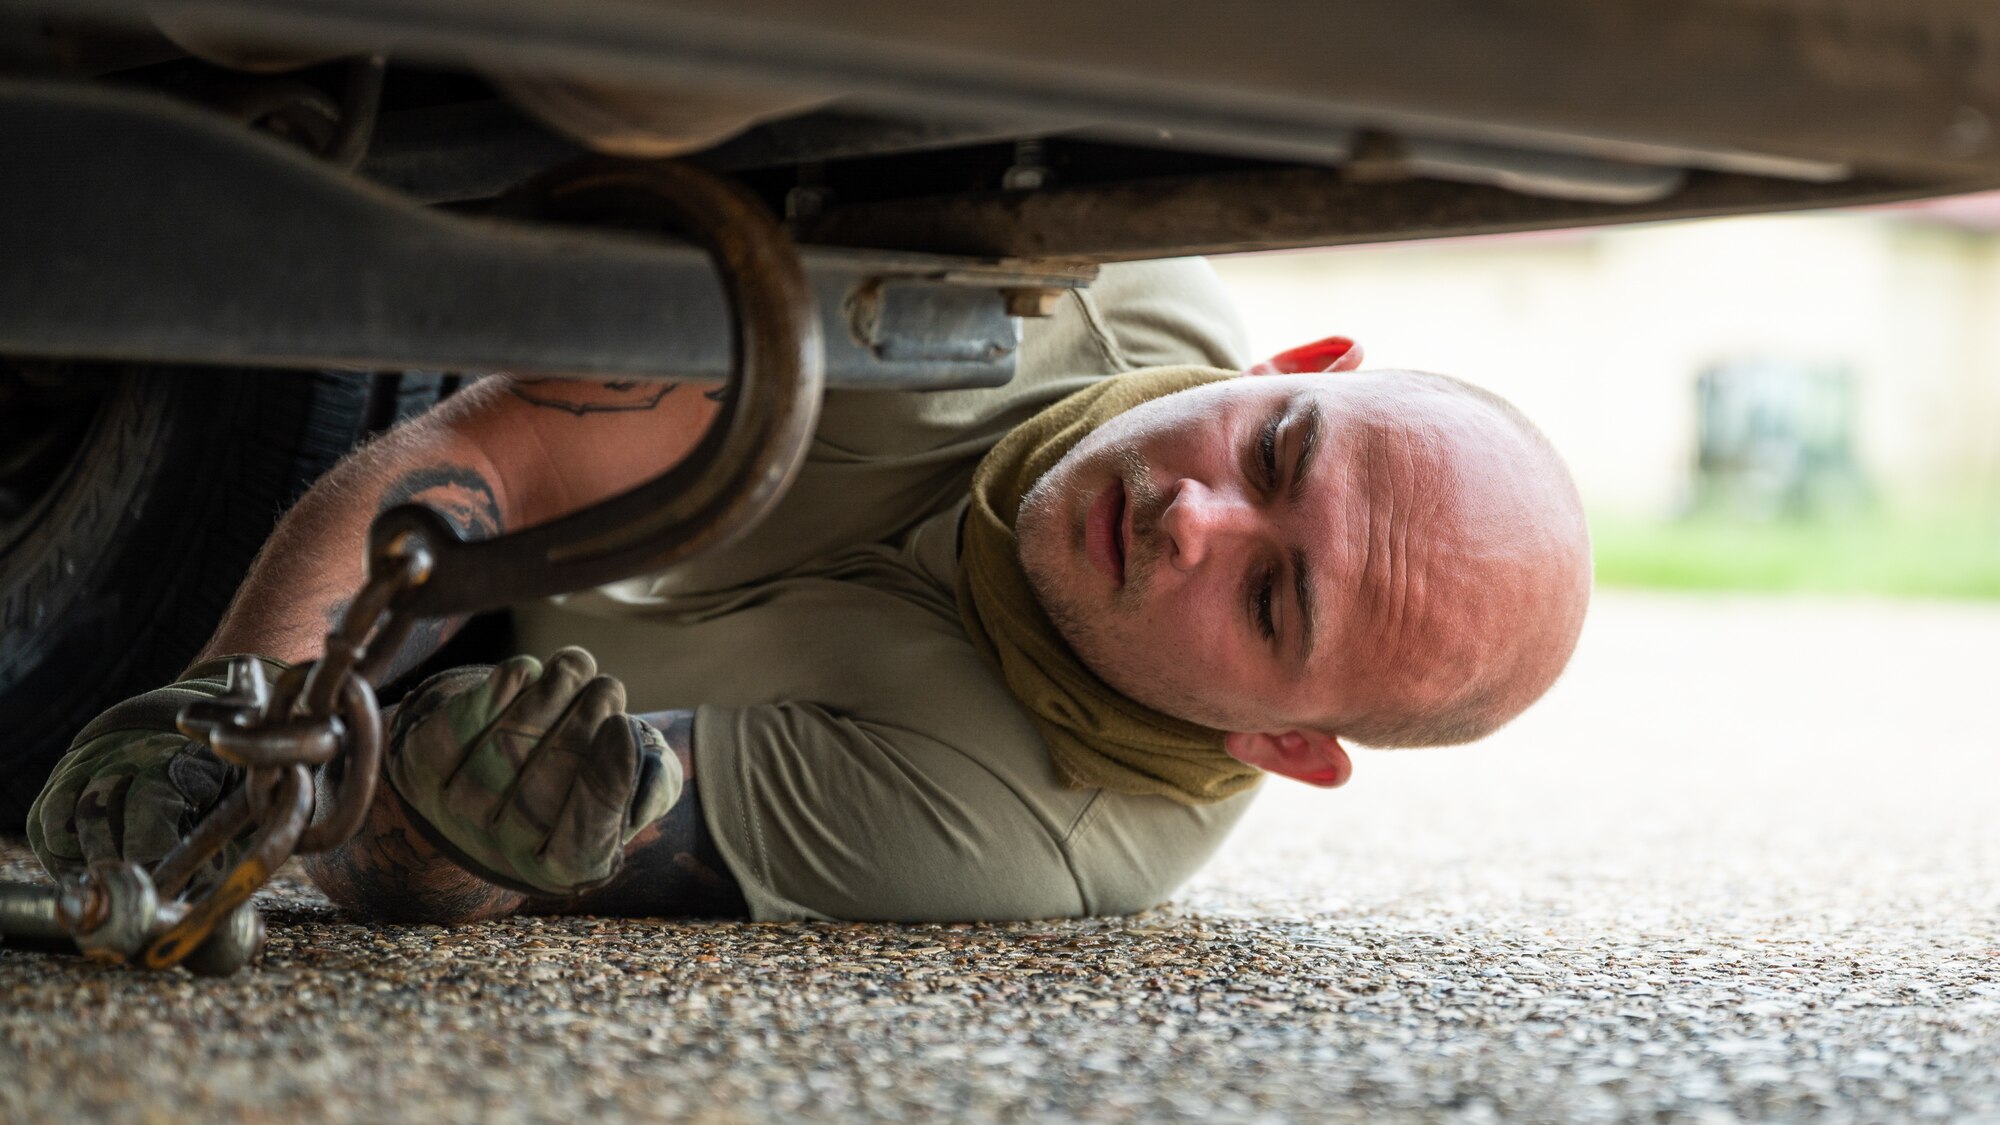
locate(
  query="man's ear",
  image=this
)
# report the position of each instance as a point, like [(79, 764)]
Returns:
[(1335, 353), (1311, 756)]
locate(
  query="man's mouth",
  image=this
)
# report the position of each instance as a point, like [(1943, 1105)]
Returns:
[(1104, 532)]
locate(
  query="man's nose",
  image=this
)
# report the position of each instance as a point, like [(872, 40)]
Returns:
[(1199, 521)]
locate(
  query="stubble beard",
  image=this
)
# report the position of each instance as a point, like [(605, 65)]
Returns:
[(1038, 530), (1043, 524), (1143, 550)]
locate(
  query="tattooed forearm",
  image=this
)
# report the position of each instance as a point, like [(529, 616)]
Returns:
[(579, 397), (672, 867), (459, 493), (465, 499), (388, 872)]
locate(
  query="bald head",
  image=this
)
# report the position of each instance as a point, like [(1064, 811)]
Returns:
[(1479, 572)]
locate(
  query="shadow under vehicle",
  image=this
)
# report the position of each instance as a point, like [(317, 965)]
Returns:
[(238, 236)]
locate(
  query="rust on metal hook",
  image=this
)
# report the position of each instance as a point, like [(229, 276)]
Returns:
[(744, 462)]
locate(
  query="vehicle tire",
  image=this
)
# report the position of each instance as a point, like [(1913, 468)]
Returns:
[(132, 500)]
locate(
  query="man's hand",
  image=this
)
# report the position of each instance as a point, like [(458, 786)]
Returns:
[(131, 786), (535, 776)]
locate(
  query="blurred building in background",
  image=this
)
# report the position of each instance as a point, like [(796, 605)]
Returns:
[(1776, 439), (1768, 365)]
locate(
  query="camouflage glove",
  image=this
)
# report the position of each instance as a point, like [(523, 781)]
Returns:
[(535, 778), (131, 785)]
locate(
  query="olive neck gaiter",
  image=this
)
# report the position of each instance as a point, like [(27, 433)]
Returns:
[(1097, 737)]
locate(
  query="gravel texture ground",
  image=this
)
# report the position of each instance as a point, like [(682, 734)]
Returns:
[(1742, 864)]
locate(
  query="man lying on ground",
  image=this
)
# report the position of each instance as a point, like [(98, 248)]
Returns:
[(1006, 653)]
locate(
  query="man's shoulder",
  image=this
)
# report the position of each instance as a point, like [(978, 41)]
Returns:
[(1138, 314)]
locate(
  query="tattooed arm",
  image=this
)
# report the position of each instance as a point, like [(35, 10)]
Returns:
[(503, 454), (391, 872)]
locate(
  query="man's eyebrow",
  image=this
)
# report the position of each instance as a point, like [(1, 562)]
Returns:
[(1310, 423), (1303, 588)]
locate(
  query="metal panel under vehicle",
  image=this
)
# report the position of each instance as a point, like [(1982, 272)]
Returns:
[(155, 231)]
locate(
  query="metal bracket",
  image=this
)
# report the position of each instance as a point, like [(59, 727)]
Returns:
[(138, 228)]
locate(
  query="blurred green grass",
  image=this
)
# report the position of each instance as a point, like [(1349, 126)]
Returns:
[(1944, 555)]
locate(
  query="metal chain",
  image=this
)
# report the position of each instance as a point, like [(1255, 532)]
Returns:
[(321, 714)]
